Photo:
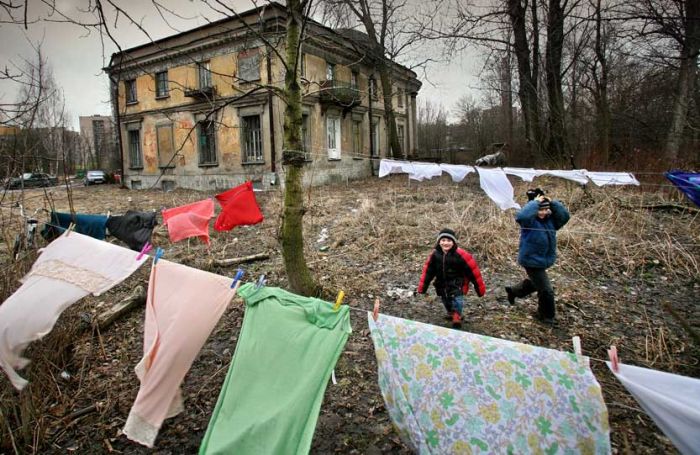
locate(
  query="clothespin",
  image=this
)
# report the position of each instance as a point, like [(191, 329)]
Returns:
[(614, 361), (146, 248), (159, 254), (261, 282), (339, 300), (375, 311), (70, 228), (237, 278), (576, 341)]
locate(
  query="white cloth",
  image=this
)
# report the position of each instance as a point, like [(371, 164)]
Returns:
[(71, 267), (387, 167), (423, 171), (672, 401), (612, 178), (527, 174), (577, 175), (457, 171), (496, 185)]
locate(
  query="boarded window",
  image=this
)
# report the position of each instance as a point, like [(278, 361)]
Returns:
[(249, 65), (400, 96), (333, 137), (207, 142), (135, 157), (303, 65), (204, 75), (131, 91), (166, 146), (357, 137), (252, 139), (353, 80), (306, 137), (162, 84), (400, 133), (373, 89), (330, 72)]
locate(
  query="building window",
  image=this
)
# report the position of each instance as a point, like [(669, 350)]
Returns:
[(374, 131), (357, 137), (131, 91), (303, 65), (206, 134), (204, 75), (399, 133), (252, 139), (330, 72), (166, 145), (373, 88), (135, 156), (353, 80), (333, 137), (400, 94), (249, 65), (162, 85), (305, 137)]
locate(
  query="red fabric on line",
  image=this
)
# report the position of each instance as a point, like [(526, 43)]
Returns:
[(191, 220), (239, 207)]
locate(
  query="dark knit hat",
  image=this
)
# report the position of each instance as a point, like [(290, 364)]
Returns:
[(544, 204), (448, 233)]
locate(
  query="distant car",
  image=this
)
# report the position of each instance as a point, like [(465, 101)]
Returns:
[(31, 180), (94, 177)]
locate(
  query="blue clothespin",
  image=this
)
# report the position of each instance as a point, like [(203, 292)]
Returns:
[(239, 275), (261, 282), (159, 254)]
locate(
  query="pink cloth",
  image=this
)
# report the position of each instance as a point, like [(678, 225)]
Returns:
[(183, 307), (191, 220), (68, 269)]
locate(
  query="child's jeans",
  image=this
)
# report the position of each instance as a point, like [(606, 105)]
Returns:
[(454, 303)]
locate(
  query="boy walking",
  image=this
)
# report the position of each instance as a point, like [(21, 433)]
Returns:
[(539, 221), (453, 269)]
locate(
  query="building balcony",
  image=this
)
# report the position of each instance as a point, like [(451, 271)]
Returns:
[(339, 93), (201, 93)]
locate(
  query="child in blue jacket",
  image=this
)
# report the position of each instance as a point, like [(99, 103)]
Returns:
[(539, 220)]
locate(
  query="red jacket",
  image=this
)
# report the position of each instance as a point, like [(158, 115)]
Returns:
[(452, 271)]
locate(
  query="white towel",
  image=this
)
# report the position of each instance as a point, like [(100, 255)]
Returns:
[(576, 175), (387, 167), (612, 178), (527, 174), (457, 171), (423, 171), (496, 185)]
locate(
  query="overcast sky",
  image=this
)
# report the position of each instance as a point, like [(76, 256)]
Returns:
[(77, 56)]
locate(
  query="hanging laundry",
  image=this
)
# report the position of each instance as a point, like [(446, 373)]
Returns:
[(612, 178), (576, 175), (457, 171), (92, 225), (387, 167), (239, 207), (68, 269), (449, 391), (687, 182), (191, 220), (423, 171), (182, 308), (270, 400), (526, 174), (672, 401), (133, 228), (497, 186)]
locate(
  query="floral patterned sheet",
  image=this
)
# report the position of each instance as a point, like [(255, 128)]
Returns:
[(455, 392)]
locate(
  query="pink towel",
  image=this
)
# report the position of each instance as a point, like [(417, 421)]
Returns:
[(183, 307), (191, 220)]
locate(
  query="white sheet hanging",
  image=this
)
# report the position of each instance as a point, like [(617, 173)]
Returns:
[(387, 167), (457, 171), (612, 178), (423, 171), (576, 175), (496, 185), (672, 401), (525, 173)]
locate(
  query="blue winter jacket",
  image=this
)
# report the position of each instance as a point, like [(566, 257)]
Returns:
[(538, 238)]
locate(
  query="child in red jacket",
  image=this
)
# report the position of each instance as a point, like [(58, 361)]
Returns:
[(453, 269)]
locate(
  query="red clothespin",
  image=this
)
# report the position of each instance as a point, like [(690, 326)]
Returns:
[(146, 248), (614, 361), (375, 311)]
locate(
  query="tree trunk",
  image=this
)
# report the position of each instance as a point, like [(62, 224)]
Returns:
[(555, 97), (387, 95), (292, 234), (603, 116)]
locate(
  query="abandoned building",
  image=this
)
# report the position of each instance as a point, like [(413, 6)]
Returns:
[(196, 109), (98, 136)]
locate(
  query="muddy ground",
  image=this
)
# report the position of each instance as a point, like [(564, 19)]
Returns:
[(626, 275)]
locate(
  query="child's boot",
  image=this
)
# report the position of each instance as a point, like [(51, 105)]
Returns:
[(456, 320)]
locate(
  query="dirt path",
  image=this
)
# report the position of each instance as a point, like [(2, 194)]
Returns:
[(615, 270)]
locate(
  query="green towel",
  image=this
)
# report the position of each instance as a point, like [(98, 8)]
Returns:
[(273, 391)]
